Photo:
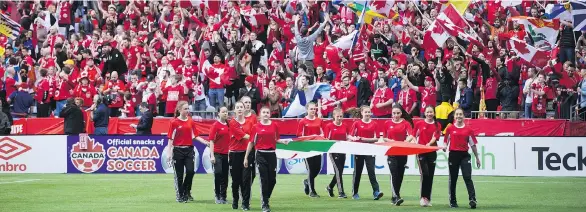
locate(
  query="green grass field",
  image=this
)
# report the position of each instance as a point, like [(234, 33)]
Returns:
[(79, 192)]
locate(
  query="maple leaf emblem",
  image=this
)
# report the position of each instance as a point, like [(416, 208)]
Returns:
[(378, 4), (437, 29), (521, 47)]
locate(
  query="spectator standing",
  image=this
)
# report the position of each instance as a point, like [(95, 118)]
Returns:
[(305, 53), (113, 91), (363, 91), (251, 91), (532, 74), (113, 61), (146, 120), (72, 118), (99, 115), (22, 101), (466, 97), (582, 93), (5, 125)]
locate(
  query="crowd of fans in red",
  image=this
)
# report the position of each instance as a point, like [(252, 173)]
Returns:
[(156, 52)]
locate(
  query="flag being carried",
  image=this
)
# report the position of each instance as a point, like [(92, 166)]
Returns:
[(452, 23), (535, 56), (579, 15), (543, 32), (8, 27), (312, 93)]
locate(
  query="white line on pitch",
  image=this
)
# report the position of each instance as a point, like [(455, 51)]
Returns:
[(19, 181)]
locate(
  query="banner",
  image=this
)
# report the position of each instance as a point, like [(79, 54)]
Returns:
[(33, 154), (482, 127), (551, 156), (496, 157)]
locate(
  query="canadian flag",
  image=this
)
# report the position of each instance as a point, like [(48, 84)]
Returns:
[(435, 36), (384, 7), (254, 18), (452, 23), (529, 53)]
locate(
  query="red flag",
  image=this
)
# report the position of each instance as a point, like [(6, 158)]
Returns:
[(434, 38)]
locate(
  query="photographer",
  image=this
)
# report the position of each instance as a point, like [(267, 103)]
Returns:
[(72, 118), (113, 91), (100, 116)]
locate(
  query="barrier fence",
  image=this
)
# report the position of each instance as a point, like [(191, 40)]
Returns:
[(482, 127), (500, 156)]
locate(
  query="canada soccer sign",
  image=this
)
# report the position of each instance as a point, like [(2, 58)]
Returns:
[(87, 155)]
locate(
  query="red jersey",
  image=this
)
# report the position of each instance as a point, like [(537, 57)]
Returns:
[(365, 130), (428, 97), (174, 92), (182, 132), (265, 136), (249, 124), (381, 96), (398, 131), (220, 135), (335, 132), (491, 87), (132, 56), (459, 138), (237, 132), (10, 86), (63, 89), (424, 132), (43, 91), (350, 94), (129, 106), (117, 102), (187, 71), (407, 98), (309, 127), (539, 102), (87, 93)]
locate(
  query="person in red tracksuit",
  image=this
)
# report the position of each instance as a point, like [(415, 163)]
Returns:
[(459, 138), (337, 131), (311, 125), (219, 142), (266, 136), (427, 132), (239, 137), (399, 128), (115, 89), (365, 130), (180, 150)]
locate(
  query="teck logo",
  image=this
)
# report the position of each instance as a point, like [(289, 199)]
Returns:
[(87, 155), (553, 160), (10, 148)]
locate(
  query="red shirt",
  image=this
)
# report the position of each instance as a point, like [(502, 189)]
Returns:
[(174, 92), (10, 86), (335, 132), (87, 93), (407, 98), (398, 131), (381, 96), (65, 13), (539, 102), (364, 130), (129, 106), (215, 73), (401, 59), (131, 56), (249, 124), (428, 97), (237, 132), (117, 101), (266, 136), (187, 71), (309, 127), (491, 87), (425, 131), (459, 138), (63, 88), (182, 132), (220, 135), (42, 88), (350, 94)]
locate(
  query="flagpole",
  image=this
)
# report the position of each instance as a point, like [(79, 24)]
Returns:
[(361, 22)]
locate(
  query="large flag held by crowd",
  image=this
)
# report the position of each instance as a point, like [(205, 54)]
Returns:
[(579, 15), (543, 32), (312, 93), (8, 27)]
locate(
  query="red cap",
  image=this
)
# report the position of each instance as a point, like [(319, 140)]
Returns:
[(428, 78), (250, 79)]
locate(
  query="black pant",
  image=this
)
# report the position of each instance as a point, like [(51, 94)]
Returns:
[(491, 105), (239, 184), (397, 168), (43, 110), (359, 161), (115, 112), (161, 107), (221, 175), (313, 165), (338, 161), (248, 178), (183, 158), (426, 169), (460, 160), (267, 170)]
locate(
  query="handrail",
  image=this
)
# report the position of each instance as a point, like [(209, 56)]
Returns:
[(574, 114)]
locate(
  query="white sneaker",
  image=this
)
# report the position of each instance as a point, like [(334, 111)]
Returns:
[(422, 202)]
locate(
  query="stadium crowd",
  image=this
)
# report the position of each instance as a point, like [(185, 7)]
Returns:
[(212, 54)]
